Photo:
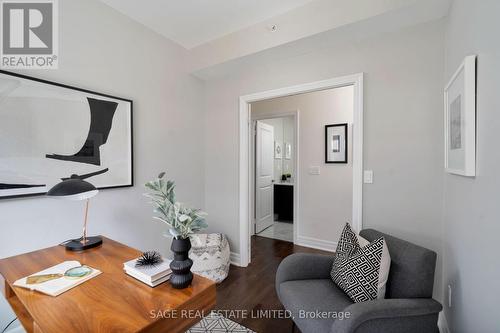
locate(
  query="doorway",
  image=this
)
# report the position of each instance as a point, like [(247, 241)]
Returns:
[(274, 161), (245, 174)]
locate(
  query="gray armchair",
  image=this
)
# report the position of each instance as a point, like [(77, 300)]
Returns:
[(305, 288)]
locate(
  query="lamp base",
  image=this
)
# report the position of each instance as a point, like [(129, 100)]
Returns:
[(80, 245)]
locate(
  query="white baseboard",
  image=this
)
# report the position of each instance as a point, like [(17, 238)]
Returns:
[(443, 324), (235, 259), (316, 243)]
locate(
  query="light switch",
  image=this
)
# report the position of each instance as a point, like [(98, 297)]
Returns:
[(314, 170), (368, 177)]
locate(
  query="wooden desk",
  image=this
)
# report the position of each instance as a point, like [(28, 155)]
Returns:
[(110, 302)]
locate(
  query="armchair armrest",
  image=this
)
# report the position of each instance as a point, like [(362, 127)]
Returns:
[(304, 266), (384, 309)]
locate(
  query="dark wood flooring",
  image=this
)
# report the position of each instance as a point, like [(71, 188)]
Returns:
[(252, 288)]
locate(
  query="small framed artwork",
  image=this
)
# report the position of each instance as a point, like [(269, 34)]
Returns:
[(336, 143), (288, 151), (460, 120), (278, 150)]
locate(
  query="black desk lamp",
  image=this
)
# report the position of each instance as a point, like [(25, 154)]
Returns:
[(76, 188)]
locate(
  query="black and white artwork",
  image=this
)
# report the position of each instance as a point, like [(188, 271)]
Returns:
[(456, 124), (460, 120), (49, 131), (336, 143)]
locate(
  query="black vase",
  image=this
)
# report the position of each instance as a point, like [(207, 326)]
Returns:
[(181, 265)]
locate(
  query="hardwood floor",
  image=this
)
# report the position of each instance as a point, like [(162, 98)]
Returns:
[(252, 288)]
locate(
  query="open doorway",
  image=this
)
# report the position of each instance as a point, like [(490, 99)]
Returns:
[(274, 154), (312, 222)]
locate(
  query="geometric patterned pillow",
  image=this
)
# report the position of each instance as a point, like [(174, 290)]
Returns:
[(356, 269)]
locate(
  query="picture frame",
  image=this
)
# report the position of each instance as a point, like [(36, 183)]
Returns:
[(288, 151), (460, 120), (278, 150), (49, 131), (336, 143)]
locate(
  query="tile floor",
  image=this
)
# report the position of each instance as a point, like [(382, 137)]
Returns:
[(279, 230)]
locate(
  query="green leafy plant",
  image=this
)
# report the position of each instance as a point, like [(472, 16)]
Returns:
[(182, 220)]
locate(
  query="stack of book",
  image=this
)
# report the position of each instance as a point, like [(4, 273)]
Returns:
[(150, 275)]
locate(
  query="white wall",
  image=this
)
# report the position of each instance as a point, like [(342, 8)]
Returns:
[(325, 202), (403, 124), (283, 133), (105, 51), (471, 209)]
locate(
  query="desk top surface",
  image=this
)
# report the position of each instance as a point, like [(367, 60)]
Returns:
[(110, 302)]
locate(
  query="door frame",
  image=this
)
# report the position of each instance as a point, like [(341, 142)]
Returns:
[(245, 123), (296, 116)]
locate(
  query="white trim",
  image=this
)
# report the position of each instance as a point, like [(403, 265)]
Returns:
[(244, 153), (316, 243), (442, 323), (234, 259)]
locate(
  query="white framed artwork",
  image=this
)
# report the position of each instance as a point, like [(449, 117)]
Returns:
[(288, 151), (278, 150), (460, 120)]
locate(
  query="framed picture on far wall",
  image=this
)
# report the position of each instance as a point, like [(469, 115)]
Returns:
[(288, 151), (460, 120), (336, 143), (278, 150)]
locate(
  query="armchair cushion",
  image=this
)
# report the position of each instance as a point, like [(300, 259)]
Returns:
[(303, 266), (315, 304)]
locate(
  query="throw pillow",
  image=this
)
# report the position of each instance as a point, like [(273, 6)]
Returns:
[(385, 265), (356, 269)]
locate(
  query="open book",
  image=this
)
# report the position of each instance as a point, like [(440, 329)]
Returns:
[(57, 285)]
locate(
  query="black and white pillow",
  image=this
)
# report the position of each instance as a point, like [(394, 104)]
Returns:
[(356, 269)]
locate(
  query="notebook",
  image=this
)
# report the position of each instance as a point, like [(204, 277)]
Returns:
[(60, 285)]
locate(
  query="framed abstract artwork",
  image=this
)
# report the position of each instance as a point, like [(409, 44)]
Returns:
[(49, 131), (336, 143), (460, 120)]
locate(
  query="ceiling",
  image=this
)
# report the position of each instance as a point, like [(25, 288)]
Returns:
[(194, 22)]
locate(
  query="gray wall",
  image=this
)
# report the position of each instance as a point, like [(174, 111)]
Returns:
[(471, 208), (105, 51), (403, 124)]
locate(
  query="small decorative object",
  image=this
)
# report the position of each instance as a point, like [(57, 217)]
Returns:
[(76, 188), (149, 259), (460, 120), (72, 273), (283, 177), (182, 222), (288, 151), (278, 150), (336, 143), (48, 130), (62, 277)]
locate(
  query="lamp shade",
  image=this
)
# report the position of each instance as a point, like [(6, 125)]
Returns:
[(73, 188)]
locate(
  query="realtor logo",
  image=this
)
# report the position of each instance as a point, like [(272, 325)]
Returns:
[(29, 34)]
